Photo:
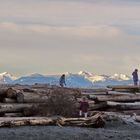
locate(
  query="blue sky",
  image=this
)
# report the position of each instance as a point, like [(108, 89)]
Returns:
[(56, 36)]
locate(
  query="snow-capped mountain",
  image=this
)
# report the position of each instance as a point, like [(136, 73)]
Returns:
[(6, 78), (85, 74), (120, 77), (95, 78), (81, 79), (72, 80), (76, 80), (104, 80), (36, 78)]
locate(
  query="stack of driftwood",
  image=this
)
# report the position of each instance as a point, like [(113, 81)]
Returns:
[(14, 101), (125, 99), (19, 105)]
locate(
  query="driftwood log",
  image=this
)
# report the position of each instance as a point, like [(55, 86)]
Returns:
[(118, 98), (41, 97), (137, 118), (13, 115), (126, 88), (124, 106), (26, 97), (15, 108), (95, 91), (119, 93), (94, 121), (9, 100), (99, 106), (25, 121)]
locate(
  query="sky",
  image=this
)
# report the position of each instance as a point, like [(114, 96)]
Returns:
[(57, 36)]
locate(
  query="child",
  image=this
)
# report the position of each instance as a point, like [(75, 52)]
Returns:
[(84, 107)]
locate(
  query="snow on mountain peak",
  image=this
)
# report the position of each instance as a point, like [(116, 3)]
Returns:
[(97, 78), (82, 79), (5, 77), (35, 75), (86, 74), (120, 77)]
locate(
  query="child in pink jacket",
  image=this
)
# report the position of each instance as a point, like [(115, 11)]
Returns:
[(84, 107)]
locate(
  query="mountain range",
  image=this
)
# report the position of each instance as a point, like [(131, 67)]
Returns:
[(82, 79)]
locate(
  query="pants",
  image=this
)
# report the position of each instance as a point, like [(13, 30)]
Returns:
[(135, 83), (83, 113)]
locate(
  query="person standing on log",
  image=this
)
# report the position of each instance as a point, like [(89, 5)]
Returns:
[(84, 107), (62, 82), (135, 77)]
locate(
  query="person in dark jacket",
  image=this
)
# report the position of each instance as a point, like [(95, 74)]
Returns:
[(62, 81), (135, 77), (84, 107)]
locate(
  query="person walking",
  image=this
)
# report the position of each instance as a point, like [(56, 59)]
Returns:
[(62, 82), (135, 77)]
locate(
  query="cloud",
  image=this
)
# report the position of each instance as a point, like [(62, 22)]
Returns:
[(40, 35), (81, 31)]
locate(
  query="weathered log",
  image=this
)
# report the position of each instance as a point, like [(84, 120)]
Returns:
[(98, 90), (25, 97), (28, 90), (8, 100), (13, 115), (125, 88), (137, 118), (11, 121), (124, 106), (11, 93), (93, 93), (3, 92), (120, 98), (51, 89), (14, 108), (35, 100), (22, 97), (119, 93), (94, 121), (99, 106), (130, 112)]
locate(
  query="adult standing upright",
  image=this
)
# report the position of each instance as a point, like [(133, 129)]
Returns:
[(62, 81), (135, 77)]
